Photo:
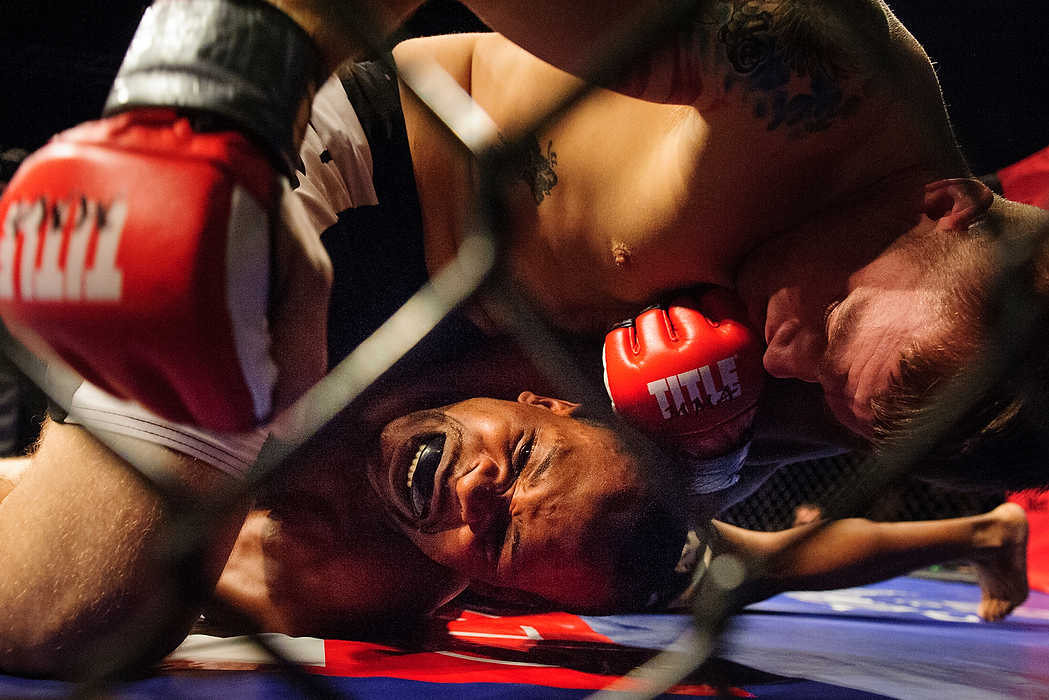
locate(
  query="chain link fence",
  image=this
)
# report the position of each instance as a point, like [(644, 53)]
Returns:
[(840, 486), (818, 483)]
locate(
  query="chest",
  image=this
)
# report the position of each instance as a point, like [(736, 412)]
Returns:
[(606, 215)]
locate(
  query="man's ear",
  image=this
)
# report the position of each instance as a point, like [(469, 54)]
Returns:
[(958, 203), (558, 406)]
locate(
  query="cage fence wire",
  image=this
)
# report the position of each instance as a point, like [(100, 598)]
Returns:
[(838, 486), (817, 483)]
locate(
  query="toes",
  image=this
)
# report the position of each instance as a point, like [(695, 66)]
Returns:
[(990, 610)]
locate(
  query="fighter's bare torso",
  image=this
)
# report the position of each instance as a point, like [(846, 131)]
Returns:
[(623, 199)]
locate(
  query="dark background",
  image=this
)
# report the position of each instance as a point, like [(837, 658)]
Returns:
[(992, 56)]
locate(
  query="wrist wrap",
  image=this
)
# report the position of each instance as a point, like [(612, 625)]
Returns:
[(242, 60)]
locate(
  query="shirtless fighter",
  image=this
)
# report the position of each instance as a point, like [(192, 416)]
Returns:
[(867, 243), (316, 557), (832, 249)]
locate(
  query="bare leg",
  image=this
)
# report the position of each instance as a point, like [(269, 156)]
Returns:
[(854, 551)]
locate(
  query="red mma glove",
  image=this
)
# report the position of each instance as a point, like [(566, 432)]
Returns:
[(688, 374), (138, 250), (147, 249)]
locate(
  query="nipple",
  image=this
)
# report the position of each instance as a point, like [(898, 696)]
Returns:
[(620, 255)]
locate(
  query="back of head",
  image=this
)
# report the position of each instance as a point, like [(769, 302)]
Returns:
[(644, 556), (975, 402), (641, 539)]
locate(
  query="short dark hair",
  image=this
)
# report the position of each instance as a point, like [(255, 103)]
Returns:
[(977, 395), (644, 564), (1001, 441), (647, 534)]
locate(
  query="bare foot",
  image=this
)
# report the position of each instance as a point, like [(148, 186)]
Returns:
[(1001, 565)]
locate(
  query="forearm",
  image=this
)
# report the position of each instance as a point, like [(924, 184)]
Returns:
[(694, 51), (85, 585), (344, 30), (558, 31), (671, 50)]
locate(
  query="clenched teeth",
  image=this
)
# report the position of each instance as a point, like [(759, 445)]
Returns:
[(415, 464)]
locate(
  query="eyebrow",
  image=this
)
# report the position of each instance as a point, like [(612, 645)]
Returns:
[(846, 325), (843, 330), (430, 414)]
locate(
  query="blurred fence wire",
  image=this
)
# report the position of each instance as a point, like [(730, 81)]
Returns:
[(480, 255)]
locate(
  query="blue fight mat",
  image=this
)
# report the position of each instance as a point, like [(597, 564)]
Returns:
[(906, 638)]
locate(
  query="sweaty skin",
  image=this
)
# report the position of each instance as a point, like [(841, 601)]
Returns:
[(646, 198), (518, 494), (622, 200), (515, 494), (309, 563)]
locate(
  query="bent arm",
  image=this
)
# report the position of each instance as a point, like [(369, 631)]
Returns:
[(692, 46), (84, 589)]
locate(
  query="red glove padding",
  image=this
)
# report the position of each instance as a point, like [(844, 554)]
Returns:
[(139, 251), (688, 374)]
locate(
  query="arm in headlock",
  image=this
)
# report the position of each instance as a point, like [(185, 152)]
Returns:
[(147, 237)]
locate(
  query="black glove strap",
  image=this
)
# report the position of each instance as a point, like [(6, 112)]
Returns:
[(242, 60)]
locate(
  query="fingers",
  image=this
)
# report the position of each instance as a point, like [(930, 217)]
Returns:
[(655, 329)]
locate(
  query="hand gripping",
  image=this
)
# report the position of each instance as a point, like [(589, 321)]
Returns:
[(138, 250), (689, 373)]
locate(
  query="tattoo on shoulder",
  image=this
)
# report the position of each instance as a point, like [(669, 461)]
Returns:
[(536, 168), (770, 49)]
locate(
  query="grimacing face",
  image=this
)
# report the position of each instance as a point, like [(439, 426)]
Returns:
[(510, 493)]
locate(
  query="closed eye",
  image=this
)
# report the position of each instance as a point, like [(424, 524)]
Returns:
[(524, 454)]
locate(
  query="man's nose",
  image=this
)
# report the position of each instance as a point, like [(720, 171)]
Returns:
[(480, 498)]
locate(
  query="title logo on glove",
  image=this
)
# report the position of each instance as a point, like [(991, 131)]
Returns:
[(77, 267), (699, 384)]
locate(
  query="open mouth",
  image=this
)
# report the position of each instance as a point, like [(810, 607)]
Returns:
[(425, 456)]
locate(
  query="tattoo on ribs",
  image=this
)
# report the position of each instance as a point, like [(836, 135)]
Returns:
[(769, 49)]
